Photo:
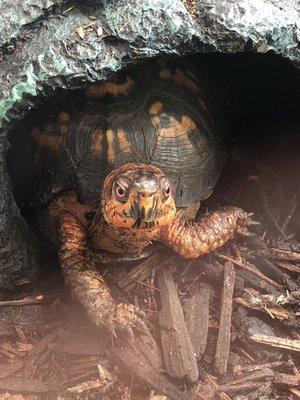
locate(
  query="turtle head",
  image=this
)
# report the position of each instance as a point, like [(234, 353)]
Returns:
[(138, 196)]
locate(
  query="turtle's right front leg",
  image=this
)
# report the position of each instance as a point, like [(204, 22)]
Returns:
[(88, 286)]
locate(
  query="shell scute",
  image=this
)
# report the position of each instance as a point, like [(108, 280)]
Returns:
[(153, 114)]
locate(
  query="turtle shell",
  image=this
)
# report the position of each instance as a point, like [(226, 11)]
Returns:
[(157, 113)]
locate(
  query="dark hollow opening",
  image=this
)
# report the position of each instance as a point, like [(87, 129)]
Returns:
[(258, 100)]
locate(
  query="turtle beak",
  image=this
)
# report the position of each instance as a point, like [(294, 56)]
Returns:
[(147, 208), (146, 202)]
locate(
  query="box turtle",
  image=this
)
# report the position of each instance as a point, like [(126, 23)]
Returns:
[(125, 165)]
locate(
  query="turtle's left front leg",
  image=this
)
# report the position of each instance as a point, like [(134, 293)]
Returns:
[(192, 239)]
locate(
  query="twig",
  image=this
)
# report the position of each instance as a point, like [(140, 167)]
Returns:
[(253, 376), (290, 267), (274, 341), (251, 268), (22, 302), (223, 344)]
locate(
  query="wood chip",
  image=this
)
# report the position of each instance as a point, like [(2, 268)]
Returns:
[(10, 367), (288, 266), (286, 379), (196, 311), (133, 364), (84, 386), (20, 385), (22, 302), (178, 353), (251, 268), (253, 376), (255, 301), (223, 343), (30, 363), (140, 273), (274, 341)]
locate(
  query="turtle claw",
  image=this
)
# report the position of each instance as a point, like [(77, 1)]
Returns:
[(254, 223), (245, 222), (128, 320)]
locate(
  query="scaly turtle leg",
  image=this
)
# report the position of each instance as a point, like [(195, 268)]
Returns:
[(88, 286), (192, 239)]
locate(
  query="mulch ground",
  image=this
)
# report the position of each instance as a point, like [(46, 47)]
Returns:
[(225, 326)]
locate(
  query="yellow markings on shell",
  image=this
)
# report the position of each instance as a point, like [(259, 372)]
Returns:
[(115, 89), (165, 74), (96, 140), (154, 110), (45, 140), (124, 144), (111, 155), (184, 81), (177, 128)]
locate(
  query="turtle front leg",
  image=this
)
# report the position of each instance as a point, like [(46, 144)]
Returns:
[(192, 239), (88, 286)]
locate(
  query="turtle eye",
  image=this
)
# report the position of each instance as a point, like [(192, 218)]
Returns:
[(167, 191), (120, 192), (166, 187)]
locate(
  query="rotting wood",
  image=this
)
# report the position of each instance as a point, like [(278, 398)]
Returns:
[(275, 341), (37, 350), (10, 367), (251, 268), (19, 385), (84, 386), (286, 379), (280, 254), (251, 368), (254, 300), (288, 266), (256, 282), (213, 271), (253, 376), (140, 273), (196, 311), (223, 343), (178, 353), (278, 274), (133, 363), (246, 386)]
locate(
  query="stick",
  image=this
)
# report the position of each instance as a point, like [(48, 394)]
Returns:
[(22, 302), (275, 341), (178, 353), (196, 311), (223, 344), (250, 268)]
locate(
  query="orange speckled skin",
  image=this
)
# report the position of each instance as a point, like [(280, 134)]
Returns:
[(146, 198), (87, 285), (194, 238)]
